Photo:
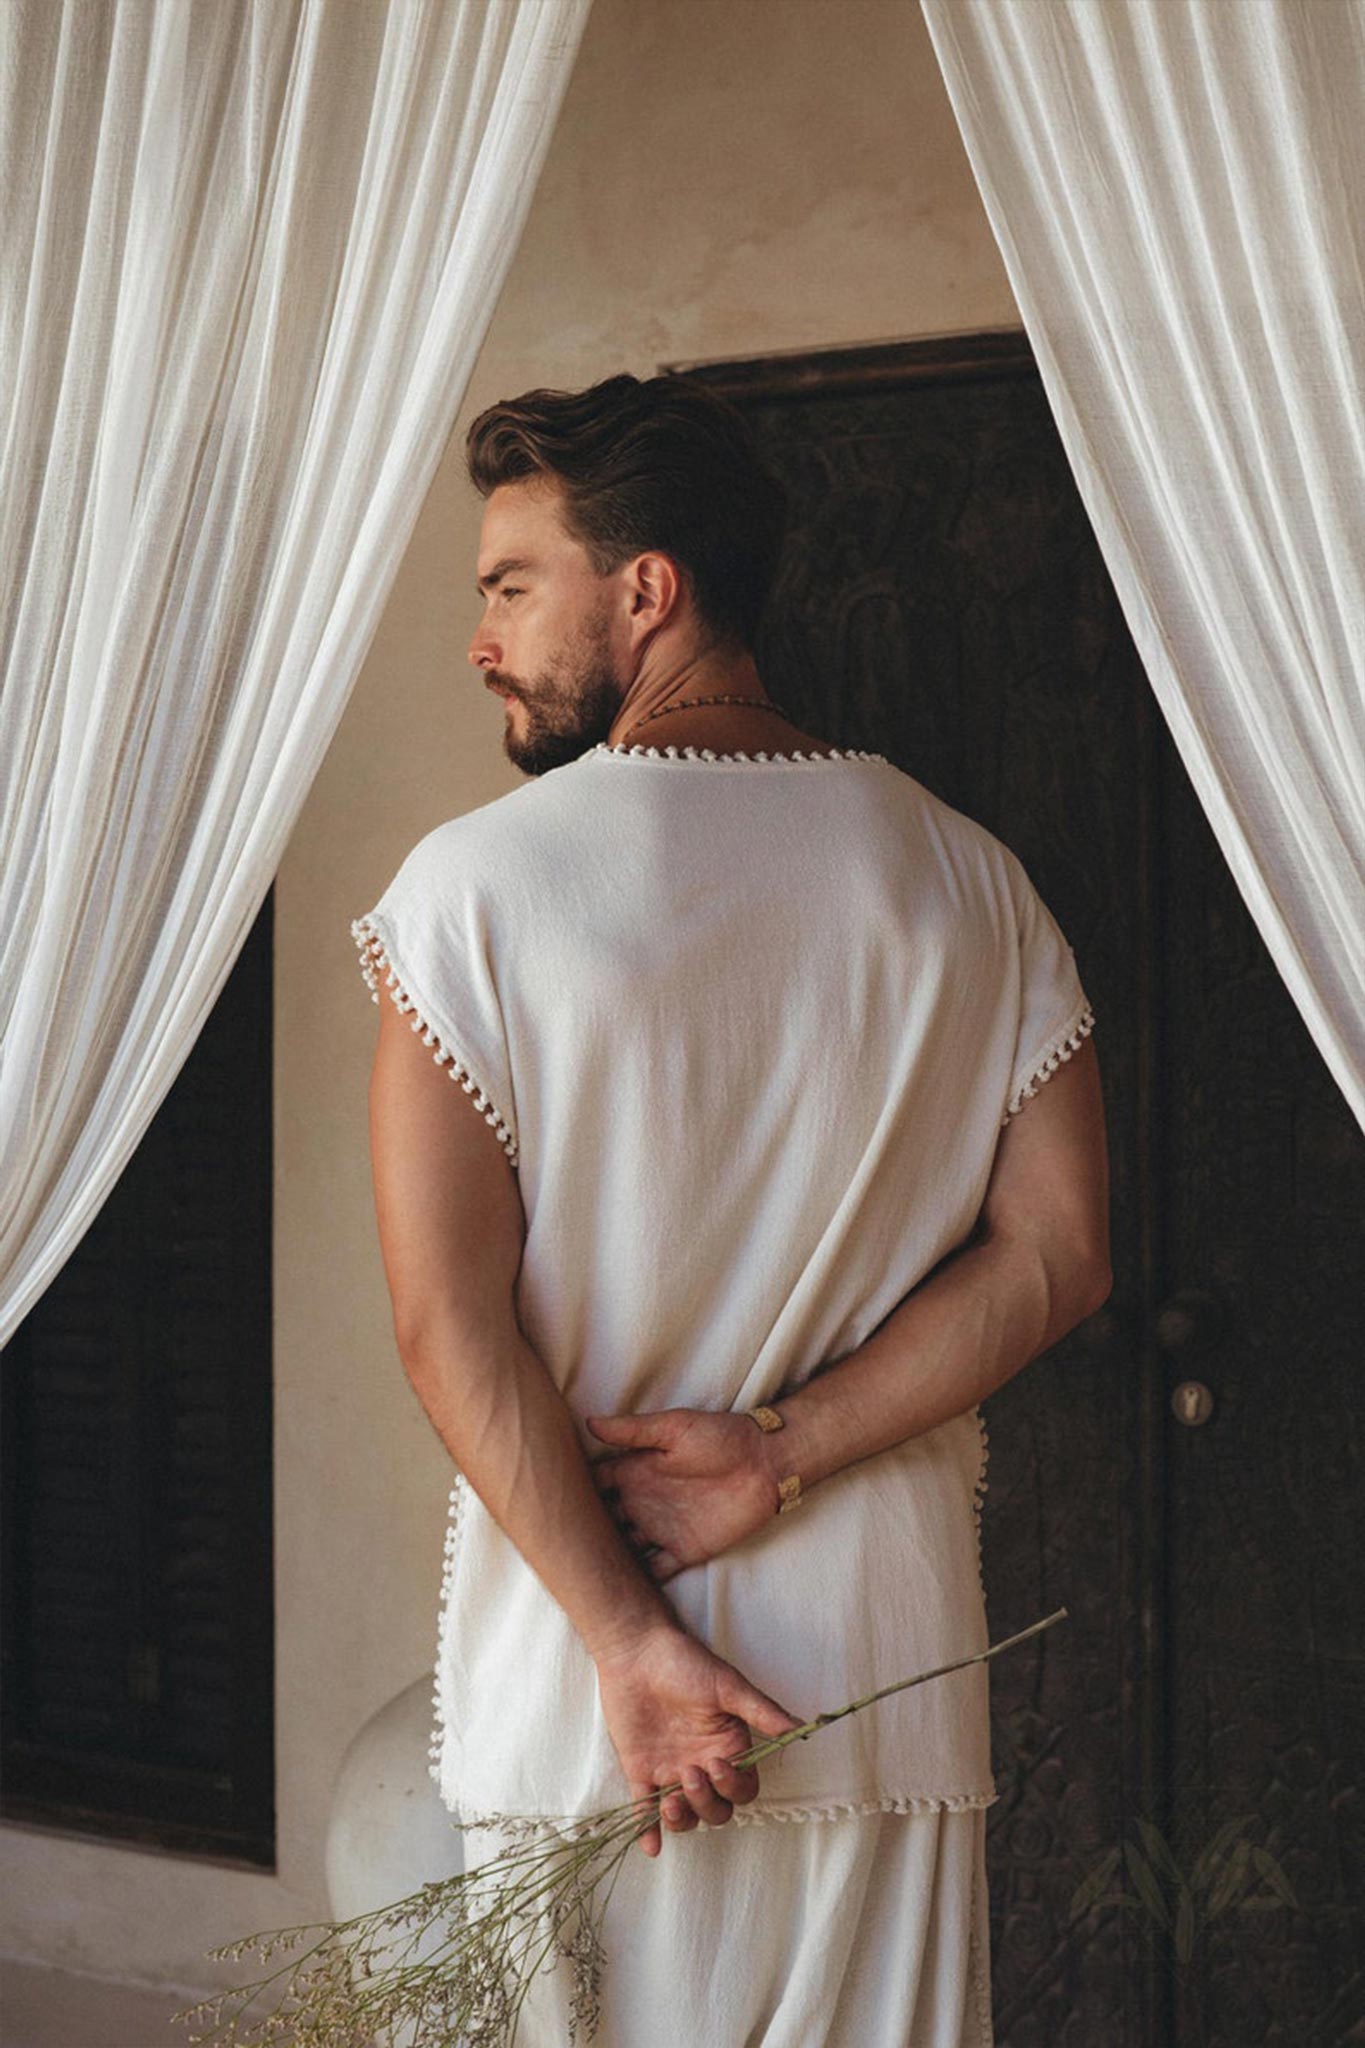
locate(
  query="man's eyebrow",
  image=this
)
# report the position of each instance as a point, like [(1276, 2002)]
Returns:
[(501, 569)]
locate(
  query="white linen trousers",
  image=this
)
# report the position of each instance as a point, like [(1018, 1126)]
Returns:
[(871, 1931)]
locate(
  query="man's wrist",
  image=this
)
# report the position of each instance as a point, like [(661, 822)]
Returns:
[(626, 1635)]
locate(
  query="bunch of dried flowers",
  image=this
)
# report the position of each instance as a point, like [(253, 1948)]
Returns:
[(494, 1928)]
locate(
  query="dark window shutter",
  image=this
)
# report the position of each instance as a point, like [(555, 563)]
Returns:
[(136, 1581)]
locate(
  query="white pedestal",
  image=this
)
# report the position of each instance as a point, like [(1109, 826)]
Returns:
[(388, 1832)]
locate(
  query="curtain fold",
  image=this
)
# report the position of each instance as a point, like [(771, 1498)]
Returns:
[(1178, 191), (249, 254)]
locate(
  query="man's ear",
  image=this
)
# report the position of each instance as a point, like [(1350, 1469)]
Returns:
[(658, 594)]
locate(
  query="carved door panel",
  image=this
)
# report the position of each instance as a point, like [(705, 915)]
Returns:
[(1260, 1245), (1182, 1472)]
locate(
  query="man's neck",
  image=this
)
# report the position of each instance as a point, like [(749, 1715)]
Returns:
[(662, 713)]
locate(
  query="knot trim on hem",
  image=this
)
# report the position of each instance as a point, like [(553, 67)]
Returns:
[(373, 961), (1062, 1050), (573, 1827)]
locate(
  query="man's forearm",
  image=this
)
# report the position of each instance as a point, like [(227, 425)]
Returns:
[(975, 1321), (509, 1430)]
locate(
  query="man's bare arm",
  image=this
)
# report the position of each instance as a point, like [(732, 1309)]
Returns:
[(451, 1230), (1036, 1264)]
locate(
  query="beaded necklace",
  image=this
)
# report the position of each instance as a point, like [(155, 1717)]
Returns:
[(685, 703)]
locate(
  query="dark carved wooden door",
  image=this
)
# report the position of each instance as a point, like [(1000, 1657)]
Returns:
[(1177, 1851)]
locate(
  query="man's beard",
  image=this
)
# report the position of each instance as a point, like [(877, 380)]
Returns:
[(565, 712)]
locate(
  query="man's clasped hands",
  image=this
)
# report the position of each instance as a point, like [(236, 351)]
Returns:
[(683, 1485)]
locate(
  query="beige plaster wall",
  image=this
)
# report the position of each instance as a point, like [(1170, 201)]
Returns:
[(728, 177)]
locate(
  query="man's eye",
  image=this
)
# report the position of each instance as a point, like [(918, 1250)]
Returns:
[(511, 590)]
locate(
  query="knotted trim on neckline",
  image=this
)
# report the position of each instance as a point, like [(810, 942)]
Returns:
[(796, 759)]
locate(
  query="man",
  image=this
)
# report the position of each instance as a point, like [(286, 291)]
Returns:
[(749, 1219)]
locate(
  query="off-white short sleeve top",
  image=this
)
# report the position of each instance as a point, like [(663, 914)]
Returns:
[(748, 1027)]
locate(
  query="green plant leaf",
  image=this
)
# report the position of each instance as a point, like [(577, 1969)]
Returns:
[(1144, 1879), (1203, 1872), (1232, 1879), (1090, 1886), (1159, 1851), (1184, 1926), (1274, 1876)]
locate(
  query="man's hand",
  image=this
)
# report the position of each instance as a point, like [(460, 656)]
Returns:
[(695, 1481), (676, 1711)]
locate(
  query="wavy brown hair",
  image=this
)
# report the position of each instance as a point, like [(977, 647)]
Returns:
[(663, 464)]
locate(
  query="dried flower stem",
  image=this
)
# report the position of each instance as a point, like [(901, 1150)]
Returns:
[(469, 1992)]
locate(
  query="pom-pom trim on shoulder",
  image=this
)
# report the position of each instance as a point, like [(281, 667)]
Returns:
[(374, 961), (1062, 1050)]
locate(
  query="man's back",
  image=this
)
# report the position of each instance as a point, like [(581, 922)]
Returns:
[(750, 1027)]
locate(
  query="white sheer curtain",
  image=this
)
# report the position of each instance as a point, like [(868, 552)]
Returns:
[(249, 253), (1178, 191)]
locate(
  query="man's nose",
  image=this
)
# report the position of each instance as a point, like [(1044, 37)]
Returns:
[(483, 650)]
